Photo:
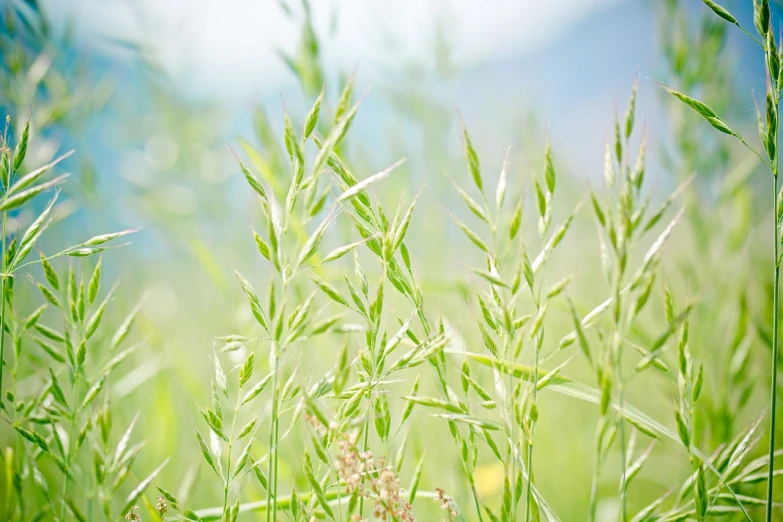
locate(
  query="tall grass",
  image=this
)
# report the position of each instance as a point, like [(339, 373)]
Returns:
[(768, 131), (53, 400), (355, 391), (623, 219)]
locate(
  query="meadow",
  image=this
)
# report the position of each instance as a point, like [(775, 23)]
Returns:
[(340, 337)]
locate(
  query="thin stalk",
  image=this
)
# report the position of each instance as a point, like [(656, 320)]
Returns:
[(773, 165), (475, 498), (594, 492), (6, 186), (508, 342), (473, 492), (599, 464), (750, 35), (271, 490), (623, 464), (617, 347), (695, 475), (227, 483), (775, 333), (89, 497), (2, 308), (619, 336), (334, 496), (277, 440), (685, 403), (69, 457), (365, 446), (510, 415), (539, 343), (529, 493)]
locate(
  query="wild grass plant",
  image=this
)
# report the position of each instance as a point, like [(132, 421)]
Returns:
[(57, 365), (768, 129), (719, 188), (356, 392), (334, 412)]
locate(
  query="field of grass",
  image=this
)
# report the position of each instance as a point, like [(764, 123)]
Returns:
[(344, 338)]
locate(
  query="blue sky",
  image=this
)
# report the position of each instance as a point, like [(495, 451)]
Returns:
[(566, 62), (230, 47)]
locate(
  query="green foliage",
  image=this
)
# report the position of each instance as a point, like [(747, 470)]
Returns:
[(365, 379)]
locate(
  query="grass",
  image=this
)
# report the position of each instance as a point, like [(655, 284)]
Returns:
[(353, 390), (58, 415), (768, 126)]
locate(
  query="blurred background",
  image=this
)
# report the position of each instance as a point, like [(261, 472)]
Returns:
[(152, 93)]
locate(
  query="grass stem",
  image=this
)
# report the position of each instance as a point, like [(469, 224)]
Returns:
[(229, 478), (529, 493), (271, 490), (775, 334), (2, 308), (621, 428)]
